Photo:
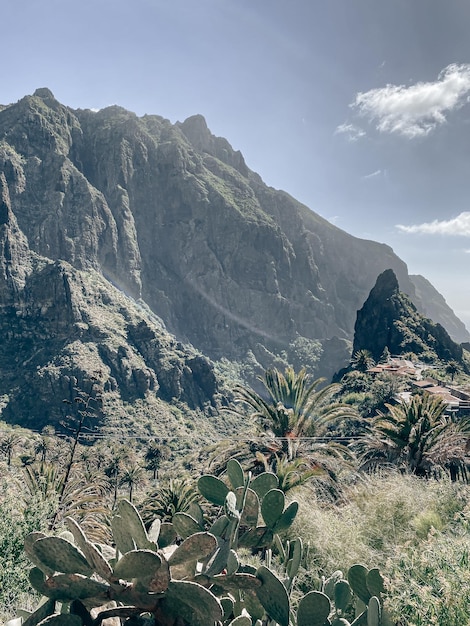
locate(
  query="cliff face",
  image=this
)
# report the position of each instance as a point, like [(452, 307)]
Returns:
[(389, 319), (62, 327), (171, 216)]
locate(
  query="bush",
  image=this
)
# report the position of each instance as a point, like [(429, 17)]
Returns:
[(18, 517)]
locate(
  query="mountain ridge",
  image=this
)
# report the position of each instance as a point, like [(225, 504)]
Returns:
[(172, 216)]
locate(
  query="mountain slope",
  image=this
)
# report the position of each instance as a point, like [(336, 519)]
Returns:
[(434, 306), (63, 328)]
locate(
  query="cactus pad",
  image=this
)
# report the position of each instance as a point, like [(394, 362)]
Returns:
[(194, 603), (213, 489), (272, 506), (185, 525), (357, 578), (287, 517), (313, 609), (263, 483), (375, 582), (373, 612), (61, 556), (138, 564), (230, 507), (343, 595), (132, 520), (273, 596), (197, 547), (250, 511), (235, 474)]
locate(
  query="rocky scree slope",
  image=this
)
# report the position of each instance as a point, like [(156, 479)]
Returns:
[(171, 216)]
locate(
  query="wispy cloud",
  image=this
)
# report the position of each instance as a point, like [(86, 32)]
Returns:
[(459, 225), (416, 110), (352, 132), (333, 219), (372, 175)]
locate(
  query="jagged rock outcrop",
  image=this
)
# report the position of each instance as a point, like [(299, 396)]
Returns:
[(390, 320), (172, 217)]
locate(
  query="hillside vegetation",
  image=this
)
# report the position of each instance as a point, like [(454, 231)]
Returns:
[(411, 525)]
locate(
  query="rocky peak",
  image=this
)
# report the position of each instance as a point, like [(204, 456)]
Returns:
[(38, 125), (388, 319), (386, 286), (196, 131), (45, 94)]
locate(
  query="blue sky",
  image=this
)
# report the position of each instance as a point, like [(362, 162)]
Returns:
[(358, 108)]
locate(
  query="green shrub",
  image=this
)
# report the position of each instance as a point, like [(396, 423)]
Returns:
[(377, 515), (18, 517)]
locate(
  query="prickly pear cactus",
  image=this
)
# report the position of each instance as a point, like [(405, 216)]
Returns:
[(363, 590), (258, 499), (189, 573), (142, 578)]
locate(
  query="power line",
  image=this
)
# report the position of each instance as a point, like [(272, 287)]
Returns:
[(117, 437)]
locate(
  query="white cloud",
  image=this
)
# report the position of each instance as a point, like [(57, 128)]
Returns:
[(416, 110), (459, 225), (352, 131)]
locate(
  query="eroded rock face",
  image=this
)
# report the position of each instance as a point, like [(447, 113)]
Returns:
[(92, 202), (69, 326), (389, 319)]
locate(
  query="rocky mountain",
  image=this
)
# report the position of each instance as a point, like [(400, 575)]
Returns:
[(390, 320), (117, 230)]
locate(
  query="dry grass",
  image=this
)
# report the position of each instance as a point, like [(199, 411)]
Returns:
[(415, 531)]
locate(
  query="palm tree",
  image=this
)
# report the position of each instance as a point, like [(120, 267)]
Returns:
[(293, 408), (293, 473), (113, 470), (154, 456), (8, 444), (132, 477), (81, 497), (178, 495), (362, 360), (452, 368), (45, 444), (418, 436)]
